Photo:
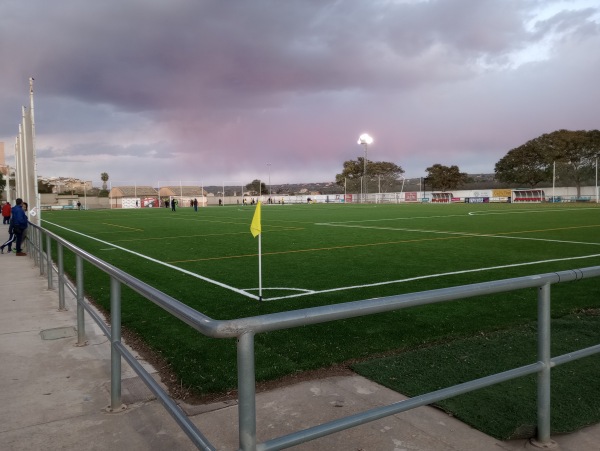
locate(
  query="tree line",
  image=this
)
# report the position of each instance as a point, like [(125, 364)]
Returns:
[(564, 155)]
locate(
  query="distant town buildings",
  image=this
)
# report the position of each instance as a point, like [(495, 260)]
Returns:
[(66, 185)]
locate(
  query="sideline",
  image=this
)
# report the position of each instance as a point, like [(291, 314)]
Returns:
[(198, 276)]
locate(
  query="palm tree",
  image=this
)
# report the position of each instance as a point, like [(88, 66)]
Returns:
[(104, 178)]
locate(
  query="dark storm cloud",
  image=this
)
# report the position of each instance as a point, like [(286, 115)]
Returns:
[(142, 55), (102, 149), (232, 85)]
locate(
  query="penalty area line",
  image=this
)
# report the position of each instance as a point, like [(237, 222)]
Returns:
[(198, 276)]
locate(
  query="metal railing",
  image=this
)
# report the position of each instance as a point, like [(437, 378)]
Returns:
[(245, 329)]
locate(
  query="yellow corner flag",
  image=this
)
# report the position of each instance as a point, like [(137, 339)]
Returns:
[(255, 227)]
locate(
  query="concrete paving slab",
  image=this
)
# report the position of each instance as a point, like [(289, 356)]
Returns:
[(54, 395)]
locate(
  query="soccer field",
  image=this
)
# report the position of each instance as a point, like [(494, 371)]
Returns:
[(329, 253)]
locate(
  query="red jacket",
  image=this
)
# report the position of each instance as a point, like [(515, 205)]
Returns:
[(6, 210)]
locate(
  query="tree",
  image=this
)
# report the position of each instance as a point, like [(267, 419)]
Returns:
[(524, 165), (444, 178), (387, 174), (572, 152), (256, 187), (44, 187), (104, 178), (2, 182)]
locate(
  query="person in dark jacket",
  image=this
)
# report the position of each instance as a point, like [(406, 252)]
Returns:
[(19, 224), (11, 239)]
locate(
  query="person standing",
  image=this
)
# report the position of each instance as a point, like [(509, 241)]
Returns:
[(11, 239), (195, 202), (6, 213), (19, 224), (173, 204)]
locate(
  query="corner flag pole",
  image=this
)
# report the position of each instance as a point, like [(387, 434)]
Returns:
[(256, 230)]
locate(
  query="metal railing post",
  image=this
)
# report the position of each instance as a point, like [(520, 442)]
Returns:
[(543, 378), (33, 241), (80, 309), (246, 392), (49, 262), (115, 338), (61, 277), (40, 249)]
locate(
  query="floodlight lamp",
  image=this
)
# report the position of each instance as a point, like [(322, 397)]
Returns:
[(365, 139)]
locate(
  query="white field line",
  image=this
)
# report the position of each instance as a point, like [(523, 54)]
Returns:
[(198, 276), (473, 213), (431, 276), (483, 235), (552, 210)]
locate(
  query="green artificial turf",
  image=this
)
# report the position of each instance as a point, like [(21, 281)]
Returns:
[(340, 253), (506, 410)]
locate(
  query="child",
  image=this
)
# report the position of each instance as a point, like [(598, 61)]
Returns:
[(11, 238)]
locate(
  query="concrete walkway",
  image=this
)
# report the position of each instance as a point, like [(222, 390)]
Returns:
[(54, 395)]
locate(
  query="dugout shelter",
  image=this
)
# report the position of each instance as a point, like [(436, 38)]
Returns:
[(524, 195), (441, 197)]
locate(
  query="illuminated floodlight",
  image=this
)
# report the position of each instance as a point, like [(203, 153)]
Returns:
[(365, 139)]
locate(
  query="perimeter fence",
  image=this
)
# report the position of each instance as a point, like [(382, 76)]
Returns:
[(245, 329)]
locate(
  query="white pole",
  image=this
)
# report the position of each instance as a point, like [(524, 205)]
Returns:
[(345, 179), (36, 200), (269, 165), (260, 266), (223, 195), (362, 182), (19, 176), (597, 193), (26, 162), (553, 179), (365, 175), (7, 187)]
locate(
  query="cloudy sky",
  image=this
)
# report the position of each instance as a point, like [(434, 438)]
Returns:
[(214, 91)]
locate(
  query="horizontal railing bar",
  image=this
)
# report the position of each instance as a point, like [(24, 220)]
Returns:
[(381, 412), (569, 357), (178, 309), (174, 410), (97, 318)]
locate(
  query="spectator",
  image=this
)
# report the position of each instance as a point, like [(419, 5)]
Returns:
[(19, 224), (6, 213)]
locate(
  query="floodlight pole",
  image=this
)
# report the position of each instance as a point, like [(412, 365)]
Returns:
[(597, 193), (365, 140), (553, 179), (269, 166), (365, 174)]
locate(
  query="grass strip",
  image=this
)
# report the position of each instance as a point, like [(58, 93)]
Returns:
[(506, 410)]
